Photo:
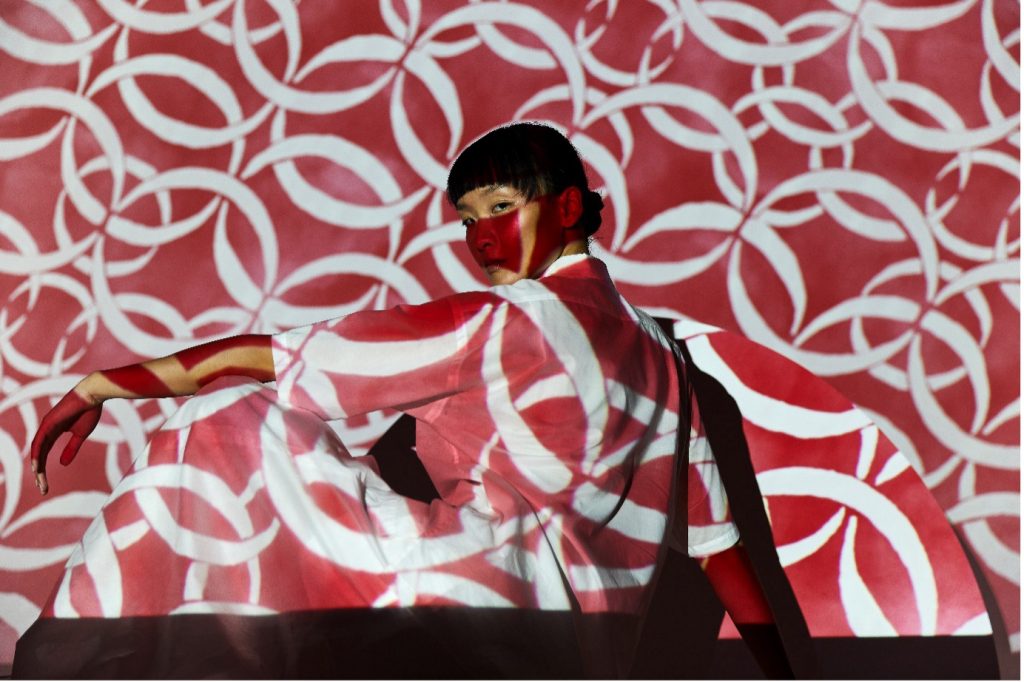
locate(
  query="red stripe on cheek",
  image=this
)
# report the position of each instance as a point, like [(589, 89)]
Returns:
[(547, 236), (138, 380), (497, 240), (509, 233)]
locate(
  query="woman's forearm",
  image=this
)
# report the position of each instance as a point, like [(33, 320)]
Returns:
[(185, 372)]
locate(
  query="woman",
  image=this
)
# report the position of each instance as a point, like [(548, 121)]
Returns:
[(547, 411)]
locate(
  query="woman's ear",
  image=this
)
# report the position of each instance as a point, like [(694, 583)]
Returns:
[(570, 206)]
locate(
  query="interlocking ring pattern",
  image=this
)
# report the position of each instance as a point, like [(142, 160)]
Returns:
[(835, 179)]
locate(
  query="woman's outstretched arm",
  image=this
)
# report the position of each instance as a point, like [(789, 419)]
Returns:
[(182, 373)]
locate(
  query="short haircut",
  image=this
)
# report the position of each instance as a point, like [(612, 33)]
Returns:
[(534, 158)]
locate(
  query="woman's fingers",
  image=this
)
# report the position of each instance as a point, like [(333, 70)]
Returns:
[(41, 483), (71, 413), (37, 458), (41, 444), (80, 430), (71, 449), (84, 425)]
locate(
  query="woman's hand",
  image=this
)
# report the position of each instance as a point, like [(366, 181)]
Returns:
[(77, 412), (180, 374)]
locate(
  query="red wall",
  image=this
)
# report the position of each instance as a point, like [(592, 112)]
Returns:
[(834, 180)]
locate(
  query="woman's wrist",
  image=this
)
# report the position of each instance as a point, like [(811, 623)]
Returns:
[(89, 388)]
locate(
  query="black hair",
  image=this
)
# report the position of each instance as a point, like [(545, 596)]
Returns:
[(534, 158)]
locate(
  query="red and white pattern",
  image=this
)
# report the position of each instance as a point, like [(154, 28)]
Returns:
[(864, 544), (546, 414), (836, 180)]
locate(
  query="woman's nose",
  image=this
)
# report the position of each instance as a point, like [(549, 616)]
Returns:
[(482, 234)]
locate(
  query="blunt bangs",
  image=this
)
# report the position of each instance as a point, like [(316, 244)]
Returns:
[(533, 158)]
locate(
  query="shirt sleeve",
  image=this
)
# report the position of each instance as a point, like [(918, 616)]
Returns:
[(400, 358)]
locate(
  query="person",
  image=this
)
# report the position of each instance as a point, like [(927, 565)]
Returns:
[(547, 410)]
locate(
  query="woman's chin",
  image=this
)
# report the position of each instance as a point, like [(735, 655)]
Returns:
[(498, 276)]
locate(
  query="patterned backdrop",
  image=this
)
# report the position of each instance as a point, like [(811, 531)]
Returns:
[(837, 180)]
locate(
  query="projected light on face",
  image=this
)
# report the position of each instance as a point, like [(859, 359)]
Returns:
[(509, 237)]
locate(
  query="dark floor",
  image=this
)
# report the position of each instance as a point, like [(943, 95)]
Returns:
[(892, 658), (402, 655)]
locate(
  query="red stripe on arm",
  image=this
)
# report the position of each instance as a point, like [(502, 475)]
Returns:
[(234, 371), (139, 381), (184, 373), (190, 357)]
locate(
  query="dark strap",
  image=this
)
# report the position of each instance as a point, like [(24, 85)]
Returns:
[(677, 512), (723, 426)]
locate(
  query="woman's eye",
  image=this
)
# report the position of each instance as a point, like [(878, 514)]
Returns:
[(501, 206), (466, 222)]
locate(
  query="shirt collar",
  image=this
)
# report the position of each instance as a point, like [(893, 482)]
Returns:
[(564, 262)]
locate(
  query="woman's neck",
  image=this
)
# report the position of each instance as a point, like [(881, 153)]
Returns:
[(575, 247)]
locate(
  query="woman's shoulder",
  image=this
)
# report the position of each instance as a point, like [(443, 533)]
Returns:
[(570, 281)]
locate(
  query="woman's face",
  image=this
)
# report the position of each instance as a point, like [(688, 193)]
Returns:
[(511, 238)]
